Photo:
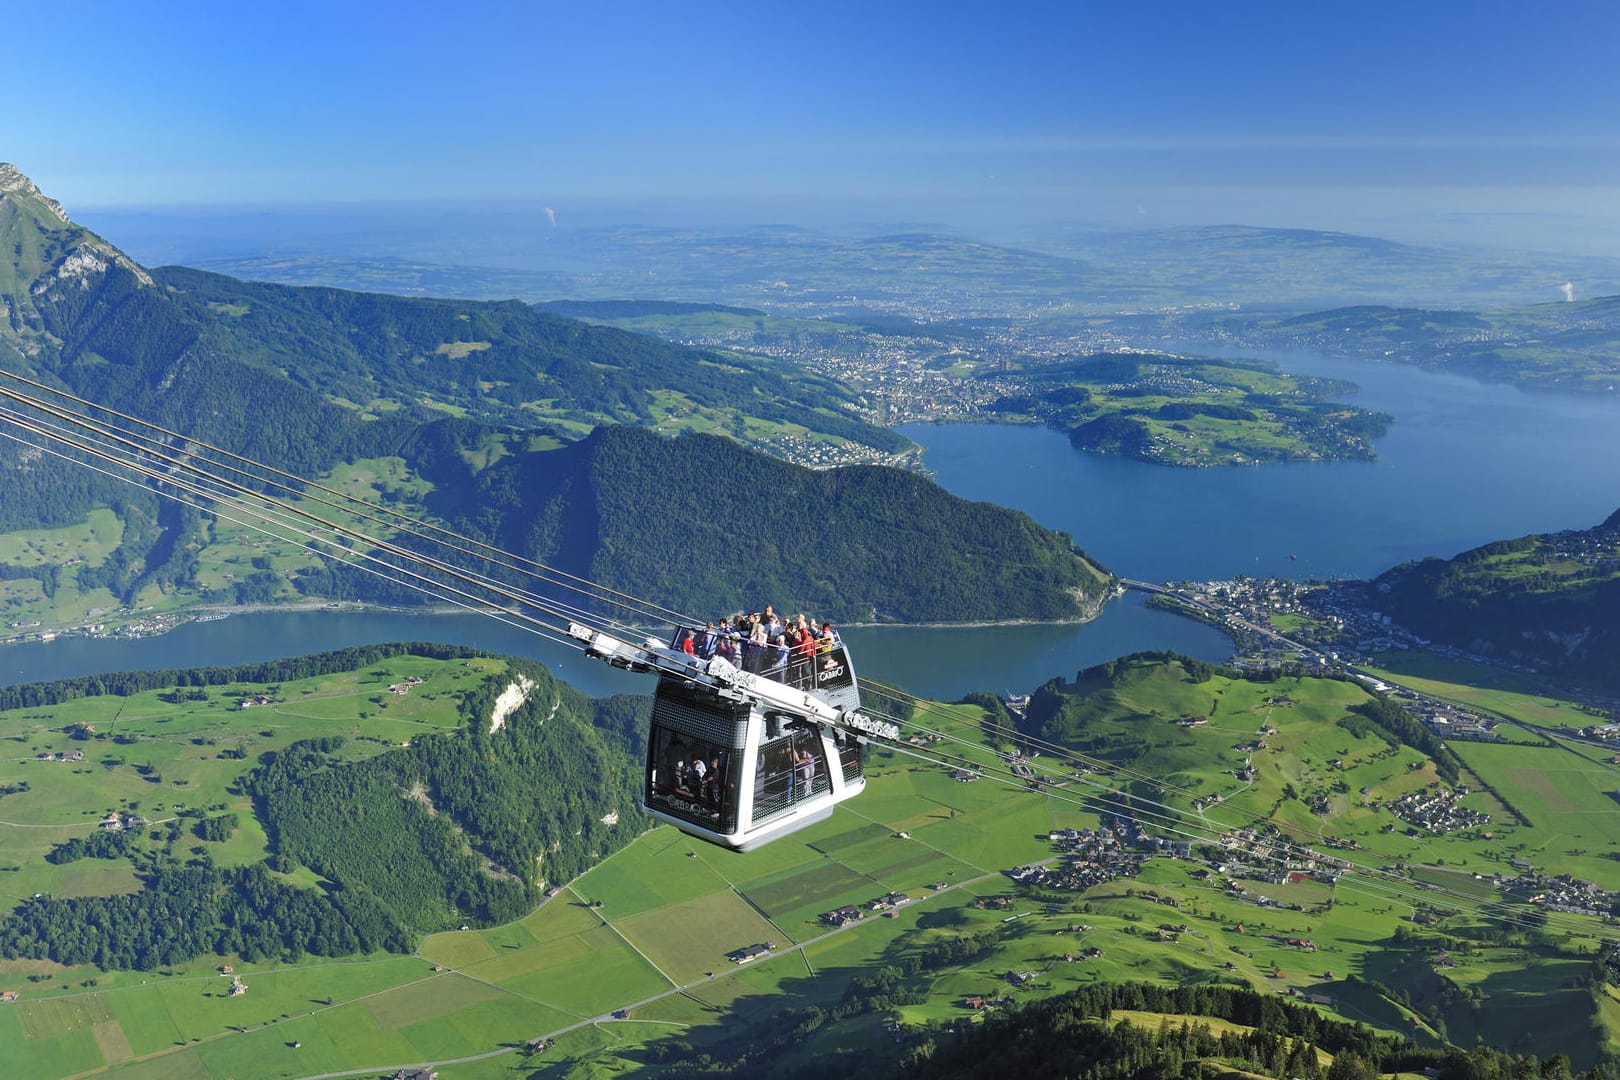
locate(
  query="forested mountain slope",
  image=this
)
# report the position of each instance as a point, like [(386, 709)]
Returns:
[(306, 379), (708, 527), (1549, 601), (504, 361)]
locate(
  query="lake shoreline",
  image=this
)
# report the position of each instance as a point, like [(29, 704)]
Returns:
[(175, 618)]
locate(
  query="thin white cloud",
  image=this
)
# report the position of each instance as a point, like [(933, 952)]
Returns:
[(1240, 141)]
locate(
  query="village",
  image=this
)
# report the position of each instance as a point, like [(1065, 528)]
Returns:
[(1437, 810)]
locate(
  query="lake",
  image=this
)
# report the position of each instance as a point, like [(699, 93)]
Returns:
[(1465, 463)]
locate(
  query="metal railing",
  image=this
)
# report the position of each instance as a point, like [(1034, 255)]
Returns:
[(849, 760), (778, 793)]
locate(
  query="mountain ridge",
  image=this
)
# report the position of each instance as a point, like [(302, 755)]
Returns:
[(304, 379), (1547, 601)]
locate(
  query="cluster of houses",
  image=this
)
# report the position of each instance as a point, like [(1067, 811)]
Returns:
[(1561, 893), (63, 755), (1080, 873), (403, 688), (852, 914), (1438, 810)]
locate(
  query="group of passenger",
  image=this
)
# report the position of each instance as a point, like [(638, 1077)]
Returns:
[(763, 643), (697, 774)]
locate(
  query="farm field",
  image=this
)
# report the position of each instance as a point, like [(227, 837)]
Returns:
[(648, 930)]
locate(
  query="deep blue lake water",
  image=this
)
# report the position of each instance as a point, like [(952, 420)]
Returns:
[(1464, 463)]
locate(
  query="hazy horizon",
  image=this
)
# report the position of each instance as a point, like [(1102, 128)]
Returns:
[(1481, 123), (179, 231)]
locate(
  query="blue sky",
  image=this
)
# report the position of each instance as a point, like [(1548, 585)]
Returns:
[(1061, 109)]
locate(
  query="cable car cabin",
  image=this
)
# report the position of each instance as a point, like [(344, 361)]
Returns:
[(745, 762)]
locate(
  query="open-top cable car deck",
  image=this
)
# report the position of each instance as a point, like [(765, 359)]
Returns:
[(740, 758)]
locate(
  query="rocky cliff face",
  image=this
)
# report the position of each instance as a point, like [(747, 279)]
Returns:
[(44, 260), (13, 183)]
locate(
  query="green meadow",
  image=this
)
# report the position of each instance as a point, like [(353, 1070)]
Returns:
[(648, 930)]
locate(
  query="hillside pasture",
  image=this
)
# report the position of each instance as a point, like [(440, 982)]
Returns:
[(89, 542), (159, 758)]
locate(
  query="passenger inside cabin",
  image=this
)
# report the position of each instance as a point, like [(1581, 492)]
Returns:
[(716, 782), (806, 763), (672, 778), (691, 777)]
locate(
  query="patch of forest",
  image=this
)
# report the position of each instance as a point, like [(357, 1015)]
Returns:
[(1072, 1036), (188, 911), (469, 825)]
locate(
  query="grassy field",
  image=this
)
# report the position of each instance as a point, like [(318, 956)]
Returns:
[(89, 541), (648, 930)]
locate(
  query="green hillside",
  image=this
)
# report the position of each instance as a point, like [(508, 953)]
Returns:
[(1179, 410), (385, 773), (1549, 602), (709, 527), (402, 397)]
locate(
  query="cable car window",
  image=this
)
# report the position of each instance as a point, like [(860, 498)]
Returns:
[(789, 770), (692, 779)]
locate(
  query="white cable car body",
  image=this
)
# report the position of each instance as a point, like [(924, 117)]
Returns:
[(741, 758)]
